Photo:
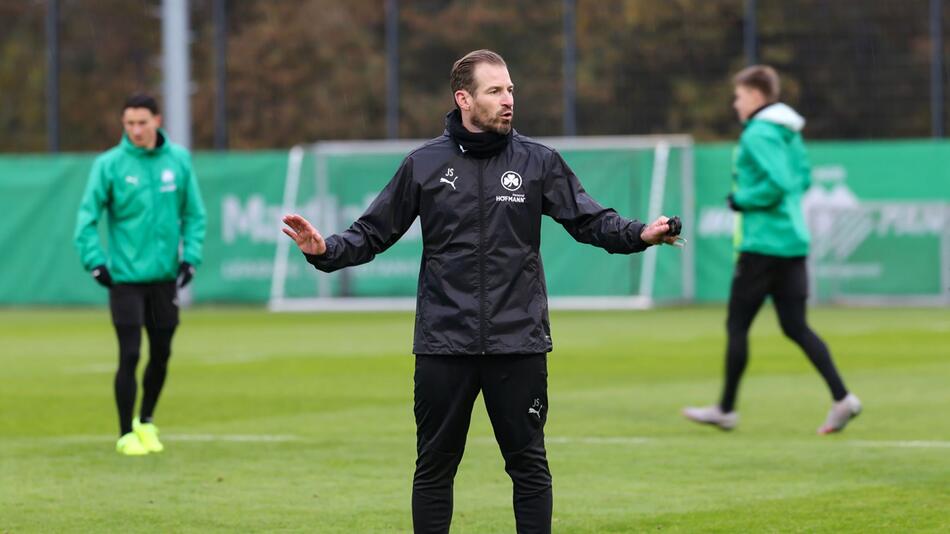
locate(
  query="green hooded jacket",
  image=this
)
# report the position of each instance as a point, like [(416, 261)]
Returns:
[(153, 204), (772, 173)]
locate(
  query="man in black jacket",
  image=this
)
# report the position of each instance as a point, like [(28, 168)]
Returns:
[(481, 312)]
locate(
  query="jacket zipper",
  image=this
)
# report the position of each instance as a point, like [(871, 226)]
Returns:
[(148, 178), (481, 256), (155, 184)]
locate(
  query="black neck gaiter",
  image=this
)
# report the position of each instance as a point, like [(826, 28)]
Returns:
[(478, 144)]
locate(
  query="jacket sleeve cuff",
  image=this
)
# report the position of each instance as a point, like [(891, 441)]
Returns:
[(92, 262), (324, 262), (637, 243), (315, 259)]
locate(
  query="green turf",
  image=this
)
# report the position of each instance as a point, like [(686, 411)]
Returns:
[(334, 394)]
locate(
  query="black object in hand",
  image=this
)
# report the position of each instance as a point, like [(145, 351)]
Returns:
[(101, 274), (675, 226), (186, 272)]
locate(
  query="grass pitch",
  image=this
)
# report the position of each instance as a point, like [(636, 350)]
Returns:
[(303, 423)]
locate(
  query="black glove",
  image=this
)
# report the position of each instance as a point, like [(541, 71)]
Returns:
[(101, 274), (732, 203), (186, 272)]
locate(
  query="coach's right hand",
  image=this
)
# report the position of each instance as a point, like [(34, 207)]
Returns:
[(303, 233), (658, 232), (101, 274)]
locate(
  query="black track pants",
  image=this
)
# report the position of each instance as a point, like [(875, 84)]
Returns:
[(785, 280), (515, 392), (154, 306), (130, 340)]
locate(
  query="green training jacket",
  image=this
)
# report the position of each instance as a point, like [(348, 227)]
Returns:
[(771, 175), (152, 204)]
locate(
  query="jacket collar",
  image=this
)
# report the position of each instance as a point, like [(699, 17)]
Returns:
[(477, 144), (161, 145)]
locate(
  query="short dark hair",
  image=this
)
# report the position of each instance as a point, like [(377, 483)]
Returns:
[(141, 100), (762, 78), (463, 71)]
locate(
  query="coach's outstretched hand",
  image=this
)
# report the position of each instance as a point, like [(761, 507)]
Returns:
[(303, 233), (658, 232)]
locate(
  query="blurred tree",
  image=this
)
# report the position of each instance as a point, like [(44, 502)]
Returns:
[(22, 77), (858, 69), (298, 72), (656, 66), (438, 33), (109, 50), (308, 70)]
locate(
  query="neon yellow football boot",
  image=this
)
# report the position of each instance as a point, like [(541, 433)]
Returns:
[(148, 435), (130, 445)]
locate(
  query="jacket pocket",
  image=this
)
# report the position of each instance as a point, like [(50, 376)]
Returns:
[(424, 292), (538, 298)]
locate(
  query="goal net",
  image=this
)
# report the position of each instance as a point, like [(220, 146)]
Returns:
[(332, 183)]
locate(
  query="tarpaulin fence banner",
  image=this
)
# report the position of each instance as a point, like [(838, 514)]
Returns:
[(878, 213)]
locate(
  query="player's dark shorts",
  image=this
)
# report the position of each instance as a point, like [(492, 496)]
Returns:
[(151, 305), (758, 275)]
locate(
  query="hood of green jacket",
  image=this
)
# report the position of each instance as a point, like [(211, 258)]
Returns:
[(782, 115)]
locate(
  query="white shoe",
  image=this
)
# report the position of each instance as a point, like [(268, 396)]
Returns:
[(712, 415), (841, 412)]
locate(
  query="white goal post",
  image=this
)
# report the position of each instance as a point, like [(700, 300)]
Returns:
[(322, 291)]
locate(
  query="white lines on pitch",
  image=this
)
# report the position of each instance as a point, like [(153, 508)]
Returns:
[(241, 438), (600, 440), (232, 438), (585, 440), (903, 444), (90, 369), (568, 440), (234, 358), (640, 440)]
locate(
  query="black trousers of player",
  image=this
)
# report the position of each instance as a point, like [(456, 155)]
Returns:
[(757, 276), (154, 306), (514, 388)]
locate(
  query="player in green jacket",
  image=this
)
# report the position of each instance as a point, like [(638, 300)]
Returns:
[(771, 175), (156, 225)]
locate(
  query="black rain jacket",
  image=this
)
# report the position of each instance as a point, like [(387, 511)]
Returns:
[(481, 284)]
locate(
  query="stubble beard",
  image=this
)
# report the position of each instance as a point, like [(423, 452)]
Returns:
[(491, 124)]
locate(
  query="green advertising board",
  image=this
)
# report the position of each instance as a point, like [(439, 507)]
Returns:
[(877, 211), (878, 214)]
